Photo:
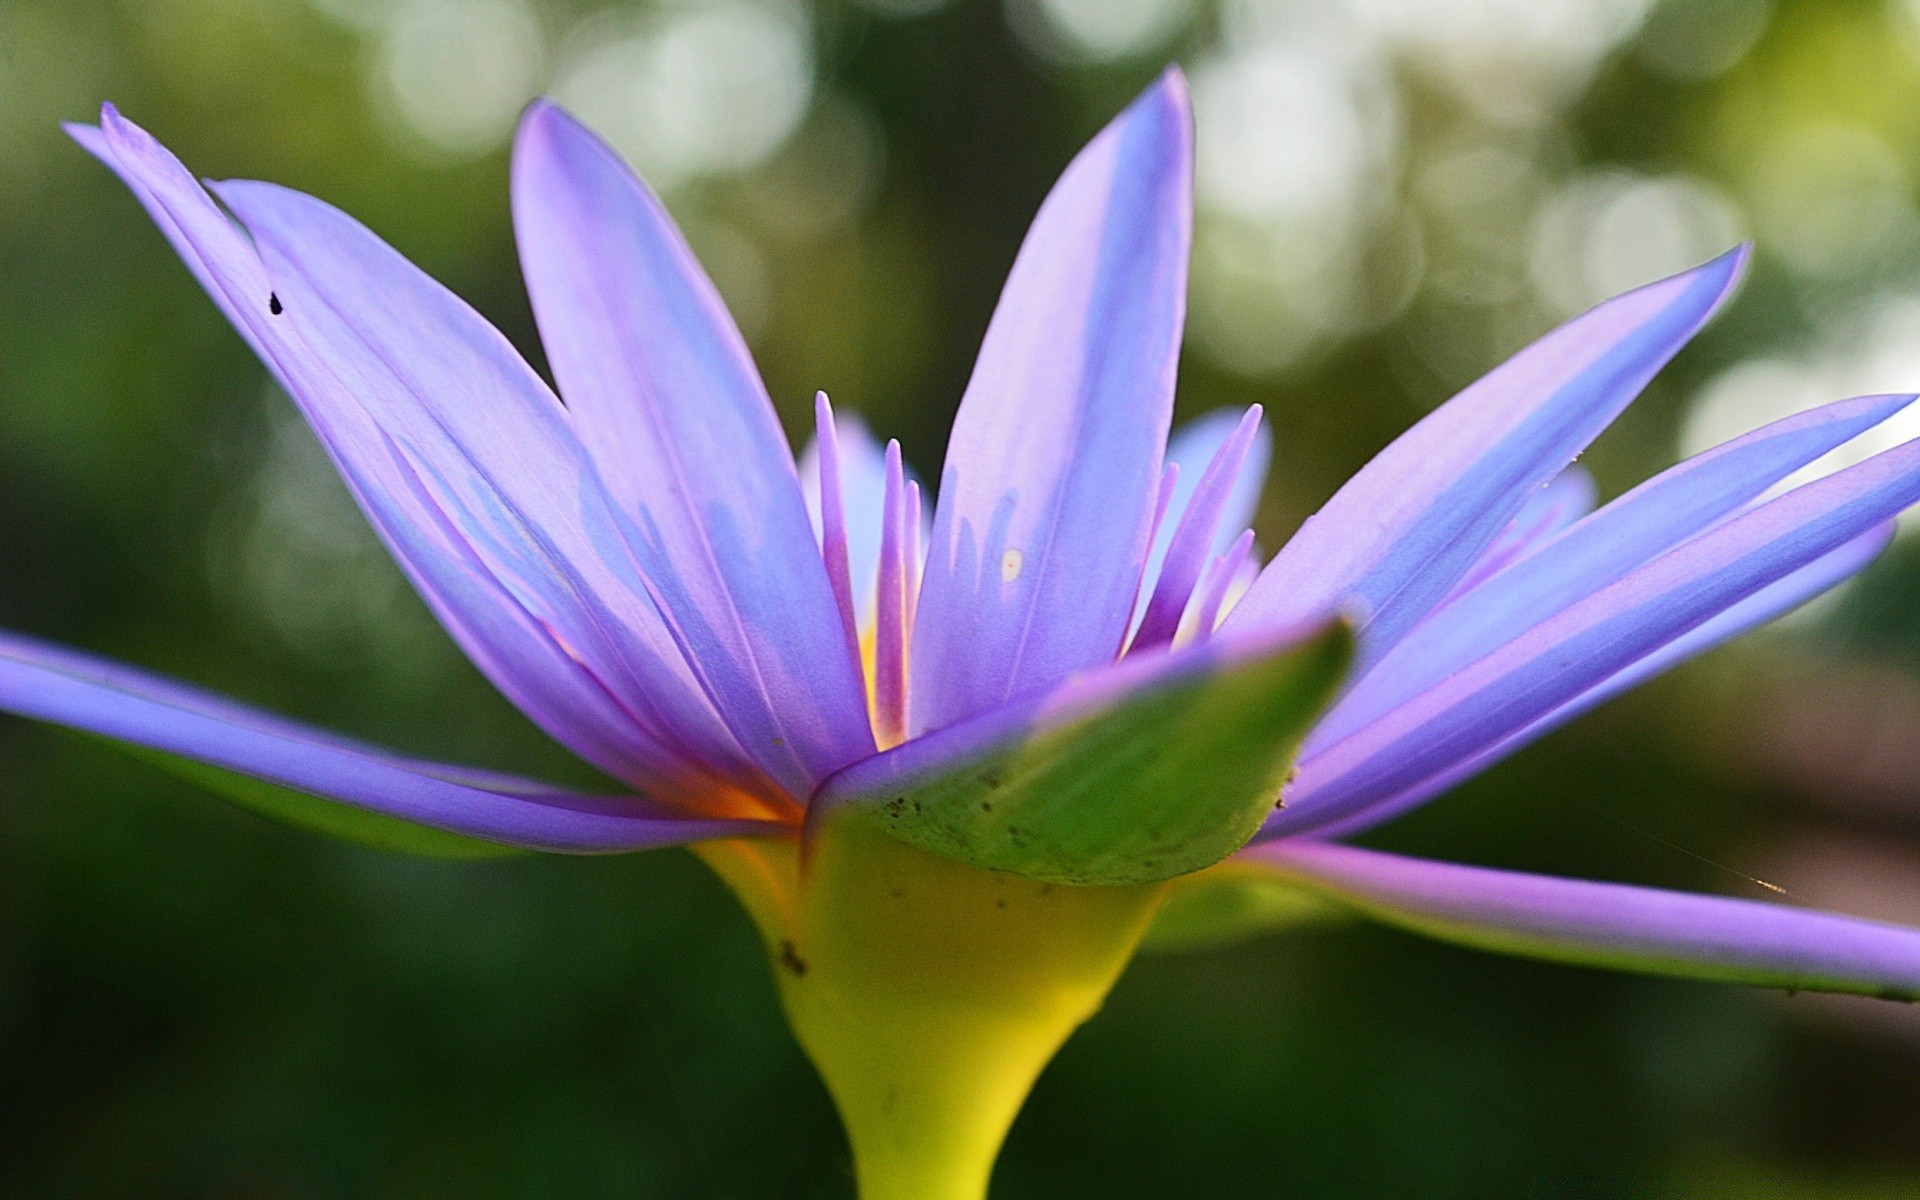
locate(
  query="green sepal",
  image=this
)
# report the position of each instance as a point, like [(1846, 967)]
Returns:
[(1146, 784), (1231, 902), (316, 814)]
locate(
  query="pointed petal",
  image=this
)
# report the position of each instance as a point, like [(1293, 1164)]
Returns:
[(1042, 522), (671, 408), (395, 797), (1597, 551), (1194, 445), (891, 633), (826, 508), (488, 446), (916, 533), (1403, 531), (1199, 529), (1609, 924), (1567, 498), (526, 634), (1773, 601), (1587, 643), (1143, 770), (1223, 574), (863, 485)]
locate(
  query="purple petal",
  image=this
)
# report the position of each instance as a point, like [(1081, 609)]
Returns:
[(1225, 573), (826, 508), (48, 683), (890, 614), (1200, 531), (1587, 643), (1193, 447), (863, 484), (489, 447), (1568, 497), (1046, 503), (916, 533), (1597, 551), (1411, 524), (1609, 924), (524, 633), (670, 406), (1773, 601)]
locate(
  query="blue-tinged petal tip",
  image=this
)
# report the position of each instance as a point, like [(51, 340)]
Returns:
[(1169, 96)]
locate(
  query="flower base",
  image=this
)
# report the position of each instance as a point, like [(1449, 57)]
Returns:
[(929, 994)]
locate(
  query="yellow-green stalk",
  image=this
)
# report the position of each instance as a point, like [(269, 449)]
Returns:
[(929, 994)]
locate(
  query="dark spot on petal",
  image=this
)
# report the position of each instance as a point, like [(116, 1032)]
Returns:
[(273, 304), (791, 960)]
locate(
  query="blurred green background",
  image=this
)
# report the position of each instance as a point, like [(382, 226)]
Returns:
[(1394, 195)]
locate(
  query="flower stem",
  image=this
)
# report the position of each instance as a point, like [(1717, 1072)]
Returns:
[(929, 994)]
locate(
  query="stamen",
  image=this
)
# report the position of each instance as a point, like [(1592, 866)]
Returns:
[(1187, 552), (890, 613)]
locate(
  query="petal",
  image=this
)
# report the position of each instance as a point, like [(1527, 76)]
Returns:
[(1587, 643), (1193, 447), (490, 447), (671, 408), (890, 633), (1143, 770), (1597, 551), (1401, 533), (67, 688), (1770, 602), (1199, 531), (863, 486), (1609, 924), (523, 632), (826, 509), (1226, 573), (1046, 503), (1567, 498)]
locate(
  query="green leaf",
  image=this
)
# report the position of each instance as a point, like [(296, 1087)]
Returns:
[(315, 813), (1147, 784)]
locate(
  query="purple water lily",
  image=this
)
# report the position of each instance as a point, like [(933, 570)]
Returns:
[(1075, 626)]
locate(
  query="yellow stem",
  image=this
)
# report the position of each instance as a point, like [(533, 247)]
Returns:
[(928, 993)]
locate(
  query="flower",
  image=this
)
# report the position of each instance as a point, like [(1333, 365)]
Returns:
[(954, 752)]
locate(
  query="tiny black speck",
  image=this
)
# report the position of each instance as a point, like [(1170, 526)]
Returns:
[(273, 304), (791, 960)]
